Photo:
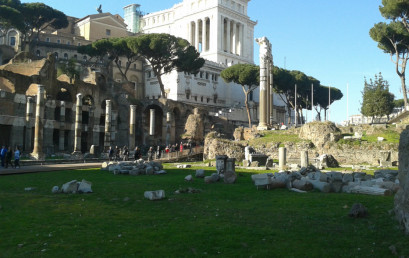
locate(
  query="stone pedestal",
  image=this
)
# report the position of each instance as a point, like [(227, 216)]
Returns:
[(282, 158), (39, 125), (221, 163), (304, 159)]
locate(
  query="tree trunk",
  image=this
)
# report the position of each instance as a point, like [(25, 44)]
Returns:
[(246, 102)]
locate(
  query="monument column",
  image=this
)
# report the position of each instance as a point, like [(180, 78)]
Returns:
[(152, 122), (78, 123), (39, 125), (204, 42), (228, 35), (197, 35), (108, 114), (62, 127), (234, 38), (29, 115), (132, 127)]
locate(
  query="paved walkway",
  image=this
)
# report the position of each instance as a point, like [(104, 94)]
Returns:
[(47, 167)]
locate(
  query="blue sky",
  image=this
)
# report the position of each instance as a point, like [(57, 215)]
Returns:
[(326, 39)]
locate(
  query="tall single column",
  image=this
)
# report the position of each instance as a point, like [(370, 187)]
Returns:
[(132, 127), (234, 38), (228, 36), (282, 158), (108, 116), (272, 113), (78, 124), (39, 125), (197, 35), (263, 87), (29, 115), (152, 122), (204, 29), (61, 146)]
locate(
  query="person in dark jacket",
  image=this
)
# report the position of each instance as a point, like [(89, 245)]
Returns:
[(9, 154)]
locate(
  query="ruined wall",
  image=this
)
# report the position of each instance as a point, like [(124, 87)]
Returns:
[(402, 196)]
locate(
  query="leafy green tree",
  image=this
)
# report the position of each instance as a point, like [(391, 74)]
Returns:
[(398, 103), (112, 50), (166, 53), (393, 39), (377, 101), (248, 76), (30, 18)]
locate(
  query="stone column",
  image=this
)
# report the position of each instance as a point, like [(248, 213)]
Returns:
[(204, 43), (263, 87), (282, 158), (61, 146), (152, 122), (39, 125), (228, 35), (108, 115), (271, 103), (197, 35), (78, 124), (29, 115), (304, 159), (234, 38), (132, 127)]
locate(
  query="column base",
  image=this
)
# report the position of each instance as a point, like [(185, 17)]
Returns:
[(37, 156)]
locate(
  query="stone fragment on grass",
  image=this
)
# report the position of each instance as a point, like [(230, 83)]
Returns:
[(155, 195), (200, 173)]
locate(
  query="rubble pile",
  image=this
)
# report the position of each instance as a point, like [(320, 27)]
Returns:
[(383, 182), (134, 168)]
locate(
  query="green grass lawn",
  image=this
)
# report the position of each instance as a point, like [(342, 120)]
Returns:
[(223, 220)]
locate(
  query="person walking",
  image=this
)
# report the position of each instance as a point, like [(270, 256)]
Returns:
[(3, 152), (17, 158), (138, 153), (9, 154)]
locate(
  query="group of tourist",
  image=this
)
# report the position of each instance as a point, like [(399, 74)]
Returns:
[(7, 155), (153, 152)]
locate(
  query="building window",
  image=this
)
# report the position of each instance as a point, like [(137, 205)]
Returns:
[(12, 41), (108, 32)]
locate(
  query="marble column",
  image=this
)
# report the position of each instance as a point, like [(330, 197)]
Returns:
[(78, 124), (132, 127), (263, 95), (204, 43), (39, 125), (152, 122), (228, 36), (29, 115), (234, 38), (197, 35), (271, 103), (61, 146), (108, 116)]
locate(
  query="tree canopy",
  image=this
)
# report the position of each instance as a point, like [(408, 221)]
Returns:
[(377, 101), (166, 53), (111, 49), (393, 39), (30, 18), (247, 75)]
